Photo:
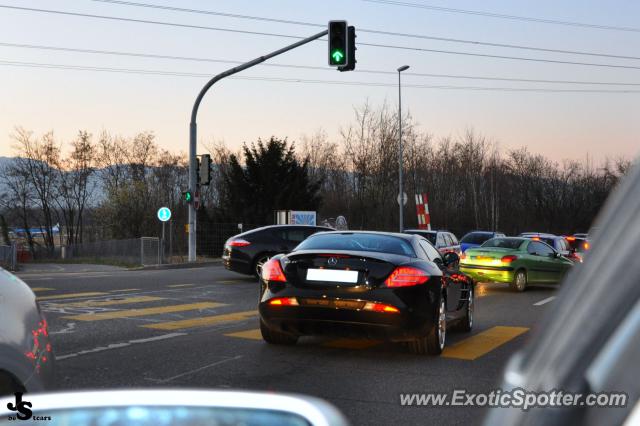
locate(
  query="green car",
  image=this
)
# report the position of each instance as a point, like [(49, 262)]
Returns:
[(516, 261)]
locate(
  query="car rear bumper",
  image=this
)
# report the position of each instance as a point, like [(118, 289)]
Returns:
[(407, 324), (488, 274), (241, 266)]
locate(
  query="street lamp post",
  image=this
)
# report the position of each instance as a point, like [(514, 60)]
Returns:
[(401, 193)]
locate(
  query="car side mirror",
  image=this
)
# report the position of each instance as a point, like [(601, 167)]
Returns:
[(554, 255), (450, 258)]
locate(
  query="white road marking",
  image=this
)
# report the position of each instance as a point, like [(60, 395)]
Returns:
[(543, 301), (186, 373), (119, 345), (70, 328)]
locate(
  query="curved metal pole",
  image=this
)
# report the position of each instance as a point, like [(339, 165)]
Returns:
[(193, 129)]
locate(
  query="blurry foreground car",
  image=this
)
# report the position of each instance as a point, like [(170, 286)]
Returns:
[(365, 284), (588, 339), (476, 238), (443, 241), (26, 356), (246, 253), (514, 260), (175, 408)]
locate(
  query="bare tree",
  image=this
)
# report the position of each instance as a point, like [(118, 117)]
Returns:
[(36, 157)]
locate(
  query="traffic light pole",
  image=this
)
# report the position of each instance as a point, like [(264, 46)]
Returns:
[(193, 129)]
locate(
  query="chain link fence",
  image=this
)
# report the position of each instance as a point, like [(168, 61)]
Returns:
[(210, 239), (136, 251), (9, 257)]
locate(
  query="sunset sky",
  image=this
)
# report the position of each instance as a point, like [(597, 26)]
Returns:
[(559, 125)]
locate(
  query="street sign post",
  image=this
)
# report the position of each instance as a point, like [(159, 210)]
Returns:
[(164, 214), (404, 199)]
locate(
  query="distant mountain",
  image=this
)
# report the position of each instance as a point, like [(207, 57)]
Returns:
[(4, 163)]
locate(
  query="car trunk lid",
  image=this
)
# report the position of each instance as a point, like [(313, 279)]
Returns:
[(332, 269)]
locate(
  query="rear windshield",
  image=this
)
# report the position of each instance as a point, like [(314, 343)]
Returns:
[(431, 236), (476, 238), (545, 240), (579, 244), (358, 242), (503, 243)]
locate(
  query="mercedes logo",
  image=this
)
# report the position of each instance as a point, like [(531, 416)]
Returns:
[(332, 261)]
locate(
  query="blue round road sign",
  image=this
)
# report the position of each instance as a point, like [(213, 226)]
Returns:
[(164, 214)]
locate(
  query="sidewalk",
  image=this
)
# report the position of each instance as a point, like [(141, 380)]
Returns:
[(183, 265), (61, 268)]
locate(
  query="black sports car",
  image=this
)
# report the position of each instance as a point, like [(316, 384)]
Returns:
[(365, 284)]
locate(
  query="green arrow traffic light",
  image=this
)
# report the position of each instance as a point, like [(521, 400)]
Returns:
[(337, 56), (188, 197)]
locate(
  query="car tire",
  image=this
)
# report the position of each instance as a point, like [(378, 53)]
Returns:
[(519, 282), (466, 324), (8, 385), (257, 265), (275, 337), (434, 342)]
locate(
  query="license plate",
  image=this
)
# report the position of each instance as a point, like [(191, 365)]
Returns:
[(332, 275)]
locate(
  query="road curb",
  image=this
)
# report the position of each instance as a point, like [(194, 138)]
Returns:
[(216, 262)]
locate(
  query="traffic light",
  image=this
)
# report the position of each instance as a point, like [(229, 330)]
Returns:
[(187, 196), (204, 169), (351, 50), (338, 47)]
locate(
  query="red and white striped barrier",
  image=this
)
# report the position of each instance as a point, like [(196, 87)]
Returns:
[(422, 206)]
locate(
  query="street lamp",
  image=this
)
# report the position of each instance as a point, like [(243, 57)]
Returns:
[(400, 194)]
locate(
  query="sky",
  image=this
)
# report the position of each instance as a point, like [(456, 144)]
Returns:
[(560, 125)]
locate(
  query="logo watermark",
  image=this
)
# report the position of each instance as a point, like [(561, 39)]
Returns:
[(23, 409), (517, 398)]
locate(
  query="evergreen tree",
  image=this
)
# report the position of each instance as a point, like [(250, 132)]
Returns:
[(271, 179)]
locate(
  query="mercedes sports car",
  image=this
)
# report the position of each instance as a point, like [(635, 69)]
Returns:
[(365, 284), (516, 261)]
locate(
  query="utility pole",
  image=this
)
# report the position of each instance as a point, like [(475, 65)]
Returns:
[(193, 129), (401, 192)]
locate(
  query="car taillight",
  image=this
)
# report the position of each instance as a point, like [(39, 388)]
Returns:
[(380, 307), (571, 238), (586, 245), (284, 301), (272, 271), (463, 256), (239, 243), (509, 258), (406, 276)]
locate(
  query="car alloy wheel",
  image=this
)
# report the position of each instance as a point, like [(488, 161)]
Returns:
[(520, 281), (259, 264), (442, 324), (470, 307)]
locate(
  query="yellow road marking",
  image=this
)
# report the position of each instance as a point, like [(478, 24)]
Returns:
[(202, 321), (125, 301), (72, 295), (126, 289), (482, 343), (247, 334), (180, 285), (351, 344), (42, 289), (144, 311)]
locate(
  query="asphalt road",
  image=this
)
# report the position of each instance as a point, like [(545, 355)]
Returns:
[(198, 328)]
